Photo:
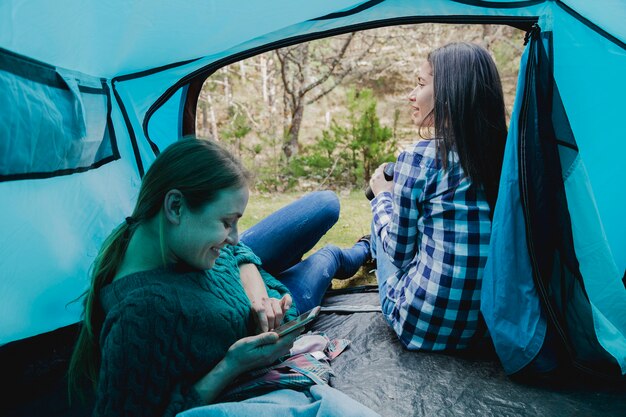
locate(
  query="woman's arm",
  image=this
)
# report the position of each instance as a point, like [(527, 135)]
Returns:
[(252, 282), (396, 214), (268, 312)]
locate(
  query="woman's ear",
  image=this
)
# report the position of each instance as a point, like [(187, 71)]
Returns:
[(173, 206)]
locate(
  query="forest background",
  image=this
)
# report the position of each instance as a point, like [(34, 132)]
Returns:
[(324, 114)]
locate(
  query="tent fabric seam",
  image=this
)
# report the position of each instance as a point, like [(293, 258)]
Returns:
[(131, 131), (367, 5), (594, 27), (500, 4)]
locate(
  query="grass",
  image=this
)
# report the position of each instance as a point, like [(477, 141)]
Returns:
[(354, 222)]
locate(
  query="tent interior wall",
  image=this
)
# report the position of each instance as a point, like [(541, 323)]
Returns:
[(124, 79)]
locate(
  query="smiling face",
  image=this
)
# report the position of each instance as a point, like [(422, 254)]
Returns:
[(421, 98), (200, 234)]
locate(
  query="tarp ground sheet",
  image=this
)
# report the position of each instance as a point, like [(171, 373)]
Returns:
[(375, 370), (378, 372)]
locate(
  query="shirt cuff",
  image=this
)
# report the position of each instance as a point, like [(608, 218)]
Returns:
[(382, 209), (381, 197)]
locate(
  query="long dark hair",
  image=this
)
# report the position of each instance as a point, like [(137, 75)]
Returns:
[(199, 169), (469, 112)]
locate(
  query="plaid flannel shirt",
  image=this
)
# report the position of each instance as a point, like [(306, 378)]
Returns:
[(435, 227)]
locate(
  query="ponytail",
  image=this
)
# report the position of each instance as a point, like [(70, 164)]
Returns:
[(85, 362)]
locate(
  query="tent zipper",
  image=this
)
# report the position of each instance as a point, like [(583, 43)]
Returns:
[(533, 35)]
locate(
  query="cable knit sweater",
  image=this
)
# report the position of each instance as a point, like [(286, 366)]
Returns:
[(164, 329)]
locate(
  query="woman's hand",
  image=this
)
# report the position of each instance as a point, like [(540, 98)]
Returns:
[(378, 183), (244, 355), (269, 312), (258, 351)]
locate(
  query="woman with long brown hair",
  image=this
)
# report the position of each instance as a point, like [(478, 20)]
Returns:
[(432, 222), (167, 319)]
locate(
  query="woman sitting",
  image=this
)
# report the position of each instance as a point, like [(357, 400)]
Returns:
[(431, 223)]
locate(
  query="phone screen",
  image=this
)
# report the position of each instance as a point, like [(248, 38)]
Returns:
[(298, 322)]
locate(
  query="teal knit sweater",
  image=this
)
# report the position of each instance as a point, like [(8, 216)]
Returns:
[(166, 328)]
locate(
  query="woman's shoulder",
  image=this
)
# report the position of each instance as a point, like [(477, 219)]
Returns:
[(422, 153), (423, 148), (163, 288), (427, 154)]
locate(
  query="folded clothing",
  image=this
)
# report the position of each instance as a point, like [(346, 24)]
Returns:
[(307, 364)]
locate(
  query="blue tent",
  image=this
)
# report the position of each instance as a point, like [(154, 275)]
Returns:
[(92, 90)]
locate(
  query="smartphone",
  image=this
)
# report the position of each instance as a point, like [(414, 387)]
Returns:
[(298, 322)]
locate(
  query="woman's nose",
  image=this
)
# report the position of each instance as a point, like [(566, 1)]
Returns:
[(412, 95), (233, 236)]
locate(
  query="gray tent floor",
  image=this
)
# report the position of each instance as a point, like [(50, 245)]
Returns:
[(378, 372), (374, 370)]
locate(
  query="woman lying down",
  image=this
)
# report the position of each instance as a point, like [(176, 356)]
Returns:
[(167, 323)]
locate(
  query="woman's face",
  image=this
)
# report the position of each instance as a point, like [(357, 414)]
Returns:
[(200, 234), (421, 98)]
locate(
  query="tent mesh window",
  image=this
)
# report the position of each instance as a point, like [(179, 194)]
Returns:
[(58, 121)]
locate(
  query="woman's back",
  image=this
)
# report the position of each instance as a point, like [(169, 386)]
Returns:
[(163, 329), (440, 242)]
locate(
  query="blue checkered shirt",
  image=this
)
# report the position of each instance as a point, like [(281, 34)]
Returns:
[(435, 227)]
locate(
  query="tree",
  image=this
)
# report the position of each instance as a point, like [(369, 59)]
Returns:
[(348, 151), (373, 142), (309, 71), (237, 130)]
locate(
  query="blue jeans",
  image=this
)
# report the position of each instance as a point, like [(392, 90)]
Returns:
[(282, 238), (384, 269)]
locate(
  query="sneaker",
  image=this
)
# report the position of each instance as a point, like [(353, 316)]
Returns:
[(369, 261), (365, 238)]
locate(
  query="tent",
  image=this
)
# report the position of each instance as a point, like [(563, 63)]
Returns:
[(91, 91)]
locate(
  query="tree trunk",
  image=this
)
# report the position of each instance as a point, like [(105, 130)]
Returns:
[(291, 145), (214, 131), (264, 79), (271, 102), (228, 94), (242, 69), (205, 120)]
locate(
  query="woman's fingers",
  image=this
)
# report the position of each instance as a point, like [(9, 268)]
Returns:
[(258, 311), (266, 338), (270, 312), (259, 350), (378, 182), (286, 302), (379, 171), (263, 321), (278, 312)]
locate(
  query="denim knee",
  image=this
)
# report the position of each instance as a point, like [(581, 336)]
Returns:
[(332, 250), (327, 204)]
